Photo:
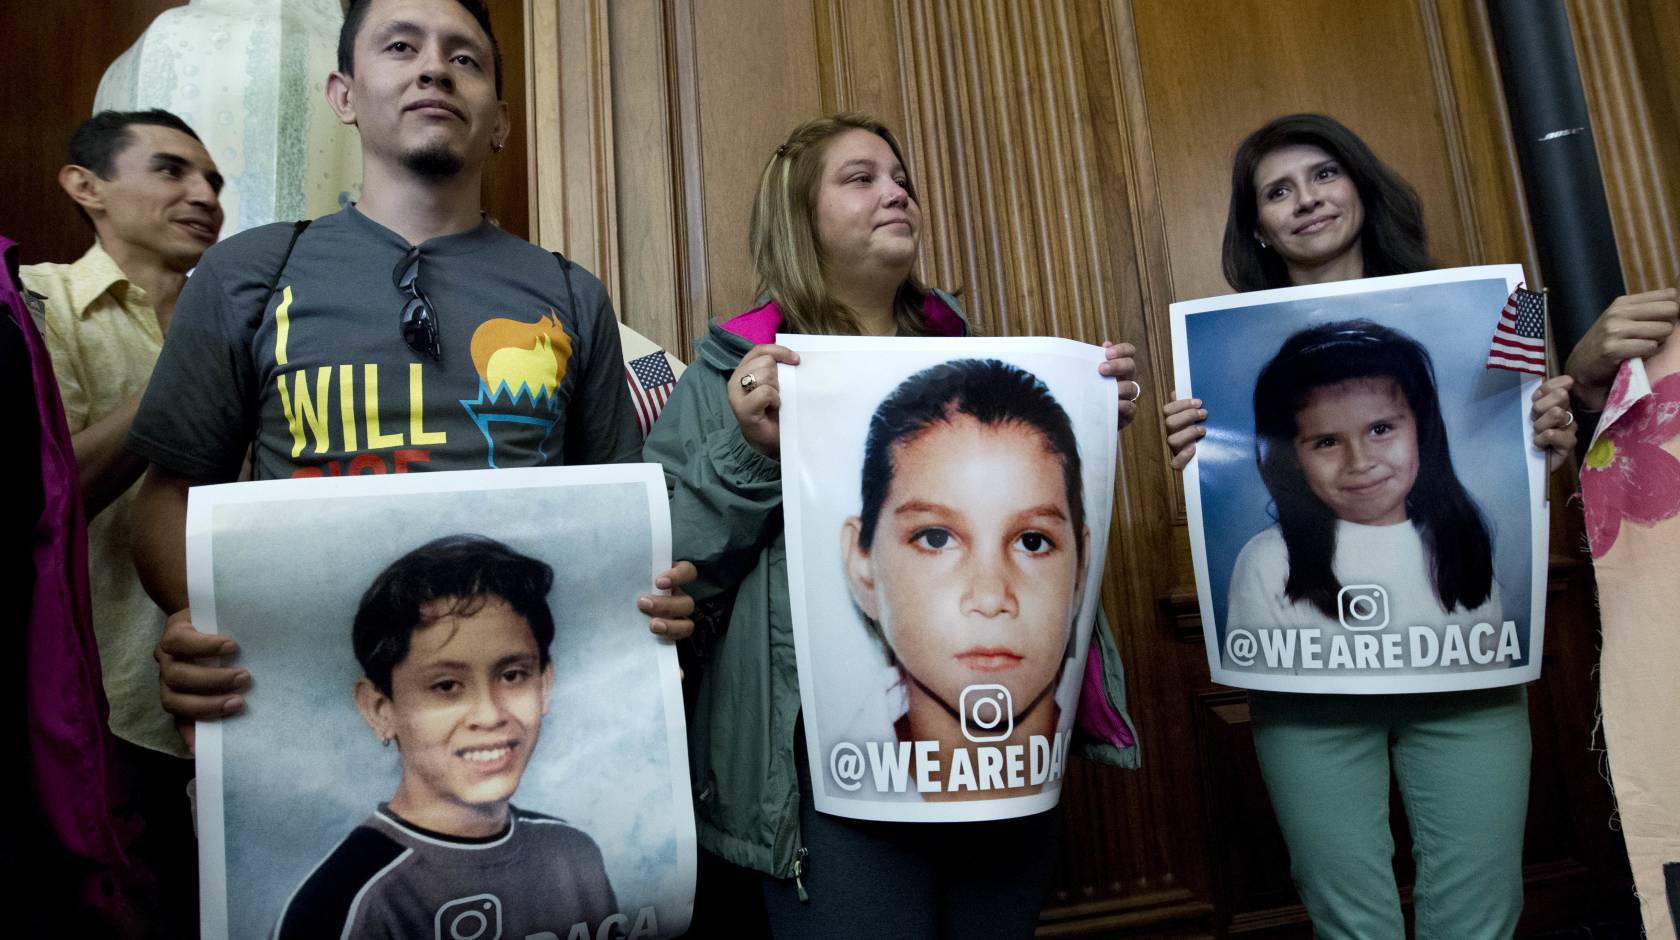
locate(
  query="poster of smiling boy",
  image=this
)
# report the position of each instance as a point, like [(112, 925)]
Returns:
[(1366, 513), (462, 729), (947, 505)]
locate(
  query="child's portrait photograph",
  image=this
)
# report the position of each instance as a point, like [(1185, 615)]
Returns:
[(459, 723), (953, 507), (1366, 511)]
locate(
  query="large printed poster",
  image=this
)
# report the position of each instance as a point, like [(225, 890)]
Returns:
[(459, 726), (947, 506), (1367, 512)]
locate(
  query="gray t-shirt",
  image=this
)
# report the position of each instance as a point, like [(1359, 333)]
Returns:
[(391, 880), (320, 379)]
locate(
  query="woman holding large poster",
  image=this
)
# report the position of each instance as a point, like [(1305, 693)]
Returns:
[(1311, 204), (835, 232)]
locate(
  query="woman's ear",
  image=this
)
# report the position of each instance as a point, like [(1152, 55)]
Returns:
[(860, 574), (375, 707)]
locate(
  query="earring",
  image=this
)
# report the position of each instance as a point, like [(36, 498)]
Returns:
[(496, 146), (1262, 242), (384, 740)]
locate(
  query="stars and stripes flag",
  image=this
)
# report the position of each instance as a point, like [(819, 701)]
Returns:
[(1519, 341), (651, 380)]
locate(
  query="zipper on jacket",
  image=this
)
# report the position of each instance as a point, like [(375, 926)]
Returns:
[(799, 856)]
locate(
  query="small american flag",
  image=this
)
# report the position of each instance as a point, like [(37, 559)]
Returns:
[(651, 380), (1519, 341)]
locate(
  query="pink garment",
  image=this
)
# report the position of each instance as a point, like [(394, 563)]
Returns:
[(759, 325), (69, 746), (1630, 484)]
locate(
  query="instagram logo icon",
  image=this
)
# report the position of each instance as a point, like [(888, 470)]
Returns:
[(988, 713), (1362, 607)]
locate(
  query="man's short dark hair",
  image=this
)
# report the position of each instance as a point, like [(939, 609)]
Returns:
[(468, 569), (357, 12), (96, 141)]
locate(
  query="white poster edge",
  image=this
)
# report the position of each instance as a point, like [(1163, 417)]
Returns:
[(793, 525), (1540, 531), (201, 503)]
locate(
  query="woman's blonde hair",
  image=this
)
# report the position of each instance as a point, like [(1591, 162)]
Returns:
[(783, 234)]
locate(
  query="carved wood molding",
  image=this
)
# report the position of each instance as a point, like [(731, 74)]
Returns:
[(1636, 144), (570, 147)]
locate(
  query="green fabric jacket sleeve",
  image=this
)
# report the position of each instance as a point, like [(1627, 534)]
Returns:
[(726, 497), (1095, 747)]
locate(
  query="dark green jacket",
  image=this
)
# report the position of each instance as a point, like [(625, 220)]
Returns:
[(726, 517)]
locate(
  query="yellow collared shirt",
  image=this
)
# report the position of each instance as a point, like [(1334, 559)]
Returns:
[(104, 339)]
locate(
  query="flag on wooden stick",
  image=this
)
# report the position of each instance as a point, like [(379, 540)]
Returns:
[(1519, 341)]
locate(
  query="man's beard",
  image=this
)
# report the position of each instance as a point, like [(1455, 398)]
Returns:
[(435, 162)]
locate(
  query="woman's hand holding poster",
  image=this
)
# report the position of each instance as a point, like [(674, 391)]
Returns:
[(459, 724), (947, 507), (1367, 513)]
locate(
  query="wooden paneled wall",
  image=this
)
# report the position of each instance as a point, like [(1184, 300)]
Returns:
[(1073, 163), (1629, 51)]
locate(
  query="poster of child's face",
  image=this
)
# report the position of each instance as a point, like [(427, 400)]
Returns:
[(947, 506), (459, 723), (1367, 513)]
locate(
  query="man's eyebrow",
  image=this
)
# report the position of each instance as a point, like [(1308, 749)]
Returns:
[(453, 40), (391, 28), (163, 158)]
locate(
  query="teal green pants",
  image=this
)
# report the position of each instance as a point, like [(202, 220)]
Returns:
[(1461, 759)]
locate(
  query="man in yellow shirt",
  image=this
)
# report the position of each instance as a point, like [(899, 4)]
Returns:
[(149, 189)]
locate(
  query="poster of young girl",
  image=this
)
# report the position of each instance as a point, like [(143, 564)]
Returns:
[(458, 723), (1366, 513), (947, 506)]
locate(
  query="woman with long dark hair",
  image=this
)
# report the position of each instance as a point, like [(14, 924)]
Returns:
[(1311, 204)]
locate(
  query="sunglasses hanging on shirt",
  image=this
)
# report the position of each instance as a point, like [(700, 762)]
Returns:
[(419, 320)]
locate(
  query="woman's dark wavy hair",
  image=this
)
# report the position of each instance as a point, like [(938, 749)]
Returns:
[(1391, 240), (1453, 530), (990, 391), (466, 569)]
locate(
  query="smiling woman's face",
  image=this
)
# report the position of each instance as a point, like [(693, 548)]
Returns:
[(974, 571), (1309, 208)]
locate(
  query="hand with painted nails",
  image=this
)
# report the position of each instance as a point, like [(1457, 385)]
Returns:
[(1184, 417), (191, 687), (671, 613)]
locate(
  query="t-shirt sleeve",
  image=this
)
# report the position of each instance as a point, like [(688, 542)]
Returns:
[(600, 419), (196, 417)]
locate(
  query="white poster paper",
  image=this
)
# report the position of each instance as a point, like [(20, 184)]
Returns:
[(947, 506), (518, 792), (1367, 511)]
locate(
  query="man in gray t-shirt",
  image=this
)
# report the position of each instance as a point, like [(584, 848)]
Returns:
[(403, 333)]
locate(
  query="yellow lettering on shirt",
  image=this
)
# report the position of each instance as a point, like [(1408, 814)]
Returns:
[(347, 404), (309, 410), (376, 440), (283, 328), (417, 433)]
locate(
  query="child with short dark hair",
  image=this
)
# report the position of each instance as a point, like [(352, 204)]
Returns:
[(453, 641)]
